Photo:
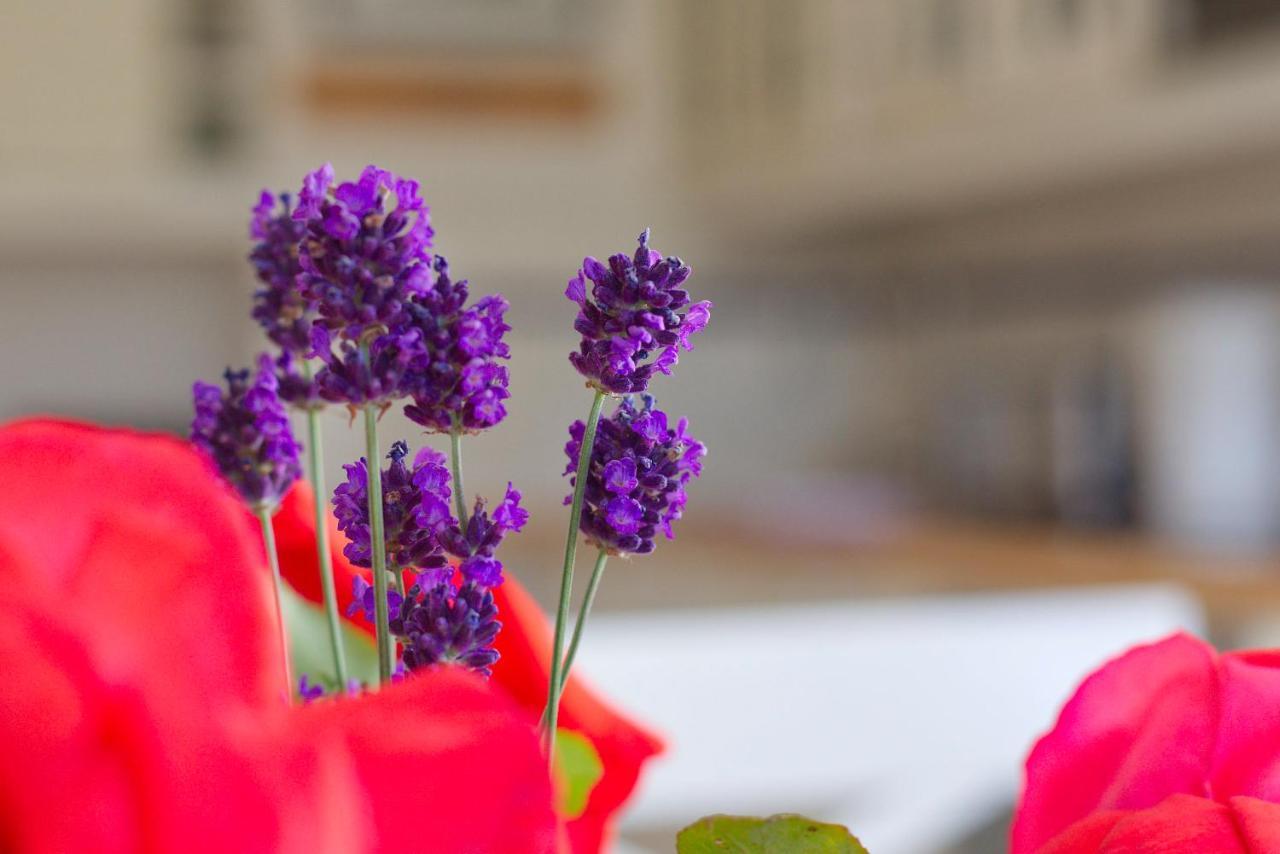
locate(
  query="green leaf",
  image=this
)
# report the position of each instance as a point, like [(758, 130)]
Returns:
[(308, 631), (718, 834), (578, 770)]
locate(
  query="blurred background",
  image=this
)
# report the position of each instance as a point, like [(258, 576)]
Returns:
[(997, 322)]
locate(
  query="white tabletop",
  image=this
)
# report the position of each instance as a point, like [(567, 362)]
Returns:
[(906, 719)]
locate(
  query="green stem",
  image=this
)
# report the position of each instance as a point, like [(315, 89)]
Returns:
[(455, 460), (273, 559), (379, 544), (596, 574), (324, 560), (566, 577)]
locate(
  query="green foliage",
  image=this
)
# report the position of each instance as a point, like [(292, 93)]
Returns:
[(718, 834), (578, 770), (308, 631)]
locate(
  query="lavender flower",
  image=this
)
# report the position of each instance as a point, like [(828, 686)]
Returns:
[(309, 691), (296, 388), (280, 306), (364, 249), (639, 470), (459, 384), (362, 601), (245, 432), (632, 314), (415, 504), (436, 622), (386, 375), (476, 547), (441, 624)]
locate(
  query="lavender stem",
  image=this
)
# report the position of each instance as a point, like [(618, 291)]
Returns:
[(273, 559), (373, 458), (566, 578), (455, 461), (596, 574), (315, 472)]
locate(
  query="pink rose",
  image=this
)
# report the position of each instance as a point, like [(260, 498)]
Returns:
[(1170, 747)]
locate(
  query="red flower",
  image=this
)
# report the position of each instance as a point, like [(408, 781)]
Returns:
[(1170, 747), (525, 645), (140, 704)]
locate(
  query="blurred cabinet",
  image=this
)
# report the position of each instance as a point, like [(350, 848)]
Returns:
[(825, 110)]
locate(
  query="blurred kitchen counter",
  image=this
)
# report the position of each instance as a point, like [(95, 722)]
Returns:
[(706, 567)]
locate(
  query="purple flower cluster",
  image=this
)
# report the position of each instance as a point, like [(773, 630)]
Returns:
[(435, 621), (418, 524), (360, 377), (389, 322), (635, 319), (364, 250), (310, 691), (279, 306), (459, 384), (477, 545), (362, 600), (441, 624), (297, 387), (245, 432), (415, 511), (639, 470)]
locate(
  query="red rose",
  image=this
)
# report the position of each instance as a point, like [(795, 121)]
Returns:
[(523, 669), (141, 707), (1170, 747)]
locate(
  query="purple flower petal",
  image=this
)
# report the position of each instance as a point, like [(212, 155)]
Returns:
[(620, 476), (624, 514)]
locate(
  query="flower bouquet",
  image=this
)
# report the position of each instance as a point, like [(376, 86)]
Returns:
[(207, 650)]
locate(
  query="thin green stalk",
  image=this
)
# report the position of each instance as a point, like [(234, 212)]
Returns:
[(379, 544), (377, 536), (566, 577), (324, 560), (596, 574), (273, 558), (455, 460)]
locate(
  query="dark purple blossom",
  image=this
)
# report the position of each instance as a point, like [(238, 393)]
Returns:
[(363, 600), (415, 511), (298, 387), (477, 545), (364, 251), (443, 624), (279, 306), (634, 319), (245, 431), (309, 691), (374, 378), (459, 384), (639, 470)]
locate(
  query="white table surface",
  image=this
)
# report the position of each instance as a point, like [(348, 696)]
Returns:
[(907, 720)]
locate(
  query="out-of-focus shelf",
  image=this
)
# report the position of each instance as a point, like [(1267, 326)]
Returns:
[(708, 567), (966, 556), (165, 214)]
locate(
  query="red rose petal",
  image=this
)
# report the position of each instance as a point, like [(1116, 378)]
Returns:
[(1178, 823), (140, 711), (1247, 759), (446, 761), (148, 552), (1259, 824), (1141, 728)]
